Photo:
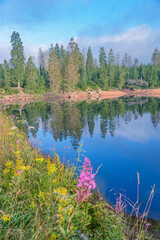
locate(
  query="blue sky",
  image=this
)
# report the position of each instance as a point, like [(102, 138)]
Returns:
[(127, 26)]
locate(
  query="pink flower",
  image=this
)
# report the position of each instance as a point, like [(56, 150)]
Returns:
[(85, 182), (19, 171), (17, 141)]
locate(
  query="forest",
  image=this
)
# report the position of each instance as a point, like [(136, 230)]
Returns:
[(68, 69)]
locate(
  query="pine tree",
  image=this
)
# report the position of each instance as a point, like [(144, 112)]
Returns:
[(30, 77), (95, 80), (125, 61), (83, 72), (57, 51), (103, 74), (75, 54), (71, 76), (1, 76), (111, 67), (89, 64), (134, 73), (17, 59), (119, 77), (118, 59), (156, 57), (62, 60), (141, 71), (154, 80), (83, 77), (72, 66), (136, 62), (62, 52), (54, 71), (41, 83), (7, 75)]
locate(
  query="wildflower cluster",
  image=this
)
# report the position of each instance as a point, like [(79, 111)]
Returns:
[(86, 182), (16, 168)]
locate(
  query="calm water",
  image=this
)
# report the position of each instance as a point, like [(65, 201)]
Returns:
[(123, 135)]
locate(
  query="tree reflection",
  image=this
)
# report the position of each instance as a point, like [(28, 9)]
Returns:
[(73, 118)]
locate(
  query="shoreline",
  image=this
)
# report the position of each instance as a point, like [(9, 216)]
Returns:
[(81, 95)]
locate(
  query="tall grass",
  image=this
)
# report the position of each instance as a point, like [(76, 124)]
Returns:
[(40, 198)]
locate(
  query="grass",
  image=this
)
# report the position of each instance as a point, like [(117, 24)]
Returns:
[(38, 197)]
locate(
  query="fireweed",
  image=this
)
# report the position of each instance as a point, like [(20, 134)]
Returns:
[(86, 182)]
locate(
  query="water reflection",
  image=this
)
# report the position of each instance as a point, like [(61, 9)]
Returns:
[(72, 118), (123, 135)]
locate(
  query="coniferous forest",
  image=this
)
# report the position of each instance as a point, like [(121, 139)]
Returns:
[(69, 69)]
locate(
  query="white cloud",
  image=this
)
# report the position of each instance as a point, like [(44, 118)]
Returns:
[(138, 41), (144, 130)]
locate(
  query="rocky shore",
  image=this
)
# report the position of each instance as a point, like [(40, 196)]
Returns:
[(81, 95)]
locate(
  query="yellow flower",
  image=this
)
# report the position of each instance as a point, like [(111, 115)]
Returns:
[(55, 181), (10, 133), (61, 190), (8, 164), (25, 167), (41, 195), (6, 218), (70, 211), (6, 171), (40, 159), (17, 152), (32, 205), (52, 168), (19, 163)]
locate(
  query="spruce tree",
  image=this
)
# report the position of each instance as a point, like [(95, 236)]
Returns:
[(72, 66), (7, 75), (83, 72), (17, 59), (71, 77), (111, 67), (119, 77), (54, 71), (62, 60), (62, 52), (89, 64), (57, 51), (154, 80), (41, 83), (103, 74), (31, 76), (156, 57), (1, 76), (75, 54)]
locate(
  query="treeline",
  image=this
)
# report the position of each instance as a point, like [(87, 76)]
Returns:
[(69, 69)]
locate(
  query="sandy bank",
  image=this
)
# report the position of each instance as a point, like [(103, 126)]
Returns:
[(81, 95)]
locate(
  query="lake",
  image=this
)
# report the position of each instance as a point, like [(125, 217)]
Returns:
[(121, 135)]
